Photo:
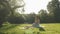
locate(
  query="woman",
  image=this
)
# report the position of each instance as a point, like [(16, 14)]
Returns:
[(37, 22)]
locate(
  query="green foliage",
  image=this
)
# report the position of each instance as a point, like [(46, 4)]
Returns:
[(15, 4), (7, 9), (6, 23), (53, 8), (16, 19), (4, 11), (30, 17), (43, 15)]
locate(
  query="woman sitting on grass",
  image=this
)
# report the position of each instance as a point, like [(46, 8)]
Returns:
[(37, 22)]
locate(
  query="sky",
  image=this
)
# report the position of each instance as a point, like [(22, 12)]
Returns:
[(35, 5)]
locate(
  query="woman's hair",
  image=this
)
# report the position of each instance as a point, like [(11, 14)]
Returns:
[(37, 19)]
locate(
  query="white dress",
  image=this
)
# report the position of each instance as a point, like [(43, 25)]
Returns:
[(36, 25)]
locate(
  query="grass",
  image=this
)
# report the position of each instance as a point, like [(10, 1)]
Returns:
[(53, 28)]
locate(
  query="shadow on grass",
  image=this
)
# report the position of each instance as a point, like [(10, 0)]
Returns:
[(2, 33), (41, 29)]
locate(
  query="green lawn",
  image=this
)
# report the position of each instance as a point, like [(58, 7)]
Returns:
[(53, 28)]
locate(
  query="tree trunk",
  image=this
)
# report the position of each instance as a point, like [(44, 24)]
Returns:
[(1, 22)]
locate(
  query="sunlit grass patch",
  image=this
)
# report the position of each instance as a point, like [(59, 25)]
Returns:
[(19, 29)]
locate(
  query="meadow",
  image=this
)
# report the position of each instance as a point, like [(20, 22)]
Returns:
[(51, 28)]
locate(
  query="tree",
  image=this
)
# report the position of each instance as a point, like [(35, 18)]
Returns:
[(43, 15), (7, 8), (53, 8), (16, 19), (15, 4), (30, 17), (4, 11)]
